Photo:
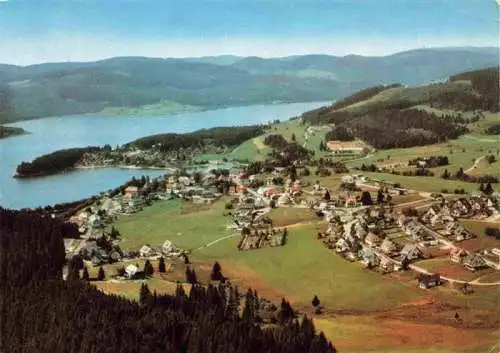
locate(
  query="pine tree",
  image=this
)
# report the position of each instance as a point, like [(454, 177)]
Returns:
[(315, 301), (380, 197), (85, 275), (144, 293), (101, 275), (293, 172), (488, 189), (73, 273), (366, 198), (148, 268), (161, 265), (114, 233), (481, 187), (293, 138), (216, 272), (248, 315), (446, 174), (327, 196), (191, 276)]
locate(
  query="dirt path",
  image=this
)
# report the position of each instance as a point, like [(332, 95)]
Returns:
[(453, 280), (258, 143), (216, 241), (474, 166), (406, 204)]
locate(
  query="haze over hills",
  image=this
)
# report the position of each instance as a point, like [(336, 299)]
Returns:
[(210, 82)]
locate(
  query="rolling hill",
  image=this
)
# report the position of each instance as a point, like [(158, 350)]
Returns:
[(211, 82), (395, 116)]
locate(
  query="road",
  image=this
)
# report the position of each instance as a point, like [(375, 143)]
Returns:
[(476, 162)]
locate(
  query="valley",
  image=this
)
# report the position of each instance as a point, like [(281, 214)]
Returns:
[(315, 206)]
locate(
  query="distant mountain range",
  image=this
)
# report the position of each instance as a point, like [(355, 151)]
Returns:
[(211, 82)]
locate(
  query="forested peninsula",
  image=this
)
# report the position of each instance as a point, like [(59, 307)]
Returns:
[(164, 151), (9, 131)]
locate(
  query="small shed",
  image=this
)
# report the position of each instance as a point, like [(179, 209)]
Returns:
[(426, 281)]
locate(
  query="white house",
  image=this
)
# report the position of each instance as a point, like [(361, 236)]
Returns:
[(131, 270), (145, 251), (168, 247)]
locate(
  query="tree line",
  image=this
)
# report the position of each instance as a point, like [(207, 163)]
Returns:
[(217, 136), (74, 316), (54, 162)]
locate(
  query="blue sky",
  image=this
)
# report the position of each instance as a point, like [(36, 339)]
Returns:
[(42, 30)]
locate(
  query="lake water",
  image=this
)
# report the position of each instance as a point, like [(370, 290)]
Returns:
[(51, 134)]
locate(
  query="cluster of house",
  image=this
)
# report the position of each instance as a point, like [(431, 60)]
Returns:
[(477, 207), (444, 217), (360, 237), (256, 239), (94, 251), (167, 249)]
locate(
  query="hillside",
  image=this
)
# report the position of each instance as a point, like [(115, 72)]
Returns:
[(137, 83), (396, 116), (410, 67)]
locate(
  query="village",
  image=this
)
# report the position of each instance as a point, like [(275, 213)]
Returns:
[(378, 234)]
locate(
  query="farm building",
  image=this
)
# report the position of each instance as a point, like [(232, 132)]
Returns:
[(457, 255), (474, 262), (426, 281), (388, 247), (168, 247), (131, 192), (345, 147), (145, 251), (131, 270), (411, 252), (457, 232), (370, 259), (372, 239)]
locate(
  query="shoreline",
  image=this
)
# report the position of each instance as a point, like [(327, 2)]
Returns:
[(81, 167), (121, 167), (85, 167), (202, 109)]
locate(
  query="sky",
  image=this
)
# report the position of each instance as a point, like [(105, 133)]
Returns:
[(35, 31)]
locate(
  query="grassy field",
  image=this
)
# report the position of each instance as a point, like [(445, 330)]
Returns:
[(299, 270), (187, 225), (285, 216), (304, 268), (428, 184), (331, 182), (251, 150), (255, 149)]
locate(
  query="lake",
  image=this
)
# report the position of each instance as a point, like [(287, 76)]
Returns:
[(51, 134)]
